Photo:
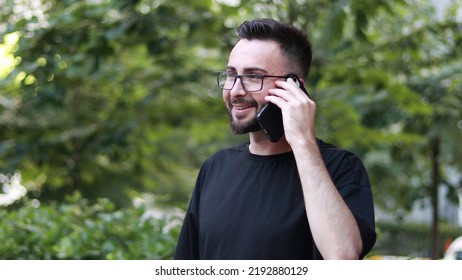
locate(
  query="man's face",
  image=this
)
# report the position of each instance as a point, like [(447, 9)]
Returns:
[(251, 57)]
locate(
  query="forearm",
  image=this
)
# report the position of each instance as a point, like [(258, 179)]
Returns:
[(332, 224)]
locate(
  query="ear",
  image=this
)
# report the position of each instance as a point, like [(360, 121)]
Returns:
[(303, 87), (301, 83), (296, 80)]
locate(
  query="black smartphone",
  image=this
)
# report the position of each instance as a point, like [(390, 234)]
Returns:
[(270, 117)]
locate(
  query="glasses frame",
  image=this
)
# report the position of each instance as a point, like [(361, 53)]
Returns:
[(260, 76)]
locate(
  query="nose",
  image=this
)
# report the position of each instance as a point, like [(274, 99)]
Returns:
[(237, 89)]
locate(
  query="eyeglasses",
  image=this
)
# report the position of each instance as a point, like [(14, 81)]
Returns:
[(249, 82)]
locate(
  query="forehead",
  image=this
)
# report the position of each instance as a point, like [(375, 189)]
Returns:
[(257, 54)]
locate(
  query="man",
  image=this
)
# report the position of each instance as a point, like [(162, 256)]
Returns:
[(297, 198)]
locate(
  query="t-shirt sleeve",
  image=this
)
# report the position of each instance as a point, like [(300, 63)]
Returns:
[(353, 184), (187, 245), (188, 242), (350, 177)]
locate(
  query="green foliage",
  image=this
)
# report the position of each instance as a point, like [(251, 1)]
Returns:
[(115, 98), (390, 93), (411, 239), (106, 93), (75, 229)]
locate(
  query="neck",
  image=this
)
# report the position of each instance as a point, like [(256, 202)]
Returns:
[(260, 145)]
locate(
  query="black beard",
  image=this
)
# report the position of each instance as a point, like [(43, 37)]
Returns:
[(240, 128)]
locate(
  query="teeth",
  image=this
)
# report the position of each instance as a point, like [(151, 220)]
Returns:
[(241, 107)]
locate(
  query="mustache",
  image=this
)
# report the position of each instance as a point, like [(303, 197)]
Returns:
[(243, 101)]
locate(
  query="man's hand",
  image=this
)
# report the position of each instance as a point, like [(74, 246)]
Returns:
[(298, 111)]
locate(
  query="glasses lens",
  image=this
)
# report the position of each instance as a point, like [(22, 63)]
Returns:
[(252, 82), (249, 82), (225, 80)]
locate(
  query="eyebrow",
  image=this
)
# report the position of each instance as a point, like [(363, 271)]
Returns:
[(248, 69)]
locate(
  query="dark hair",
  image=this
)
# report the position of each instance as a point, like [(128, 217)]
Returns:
[(294, 43)]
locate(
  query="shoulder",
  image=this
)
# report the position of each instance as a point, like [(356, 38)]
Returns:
[(341, 161), (226, 156), (229, 152), (331, 152), (221, 164)]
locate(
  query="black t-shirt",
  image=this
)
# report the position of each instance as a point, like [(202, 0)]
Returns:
[(246, 206)]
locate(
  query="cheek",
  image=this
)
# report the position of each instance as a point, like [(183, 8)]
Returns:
[(260, 99), (226, 95), (226, 98)]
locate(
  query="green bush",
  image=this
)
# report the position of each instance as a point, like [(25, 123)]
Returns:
[(411, 239), (75, 229)]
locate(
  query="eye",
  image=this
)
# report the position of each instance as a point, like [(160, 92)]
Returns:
[(231, 76), (253, 76)]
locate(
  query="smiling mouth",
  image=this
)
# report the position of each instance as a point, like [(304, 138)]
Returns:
[(242, 107), (242, 104), (242, 111)]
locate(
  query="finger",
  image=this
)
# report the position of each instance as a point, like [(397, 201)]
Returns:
[(292, 89), (277, 100), (279, 92)]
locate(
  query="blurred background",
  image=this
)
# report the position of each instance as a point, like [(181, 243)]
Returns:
[(109, 107)]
